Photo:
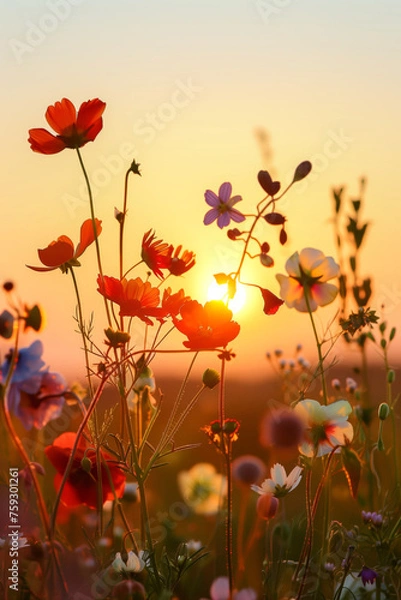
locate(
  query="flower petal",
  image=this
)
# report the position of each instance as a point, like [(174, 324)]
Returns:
[(225, 192), (211, 198), (57, 253), (44, 142), (211, 216), (87, 235), (61, 115)]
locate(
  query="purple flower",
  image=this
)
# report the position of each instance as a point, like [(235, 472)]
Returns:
[(222, 205), (35, 396), (367, 575)]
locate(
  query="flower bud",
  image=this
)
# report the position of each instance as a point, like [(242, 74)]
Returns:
[(383, 411), (391, 376), (86, 464), (34, 318), (267, 506), (211, 378), (302, 170), (6, 324), (116, 339)]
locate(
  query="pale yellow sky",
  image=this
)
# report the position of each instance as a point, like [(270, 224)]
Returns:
[(186, 84)]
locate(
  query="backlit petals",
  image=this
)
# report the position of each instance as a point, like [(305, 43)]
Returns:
[(222, 204), (206, 327), (61, 115), (45, 142), (87, 235)]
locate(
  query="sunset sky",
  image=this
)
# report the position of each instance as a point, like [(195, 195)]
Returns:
[(187, 84)]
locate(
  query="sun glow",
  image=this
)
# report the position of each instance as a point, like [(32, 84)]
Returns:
[(219, 292)]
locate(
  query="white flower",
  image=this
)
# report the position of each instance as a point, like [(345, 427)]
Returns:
[(326, 426), (134, 563), (308, 273), (280, 483), (202, 488)]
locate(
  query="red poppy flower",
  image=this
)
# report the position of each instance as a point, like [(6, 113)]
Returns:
[(177, 265), (60, 254), (206, 327), (135, 297), (81, 485), (74, 130), (155, 253)]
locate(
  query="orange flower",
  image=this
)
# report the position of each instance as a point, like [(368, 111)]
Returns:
[(60, 254), (155, 253), (81, 485), (206, 327), (74, 130), (135, 297), (177, 265), (172, 303)]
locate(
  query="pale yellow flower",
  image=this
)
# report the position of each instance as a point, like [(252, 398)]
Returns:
[(202, 488)]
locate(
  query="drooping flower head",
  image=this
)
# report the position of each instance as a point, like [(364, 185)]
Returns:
[(325, 426), (60, 254), (35, 395), (81, 486), (222, 206), (155, 253), (202, 488), (206, 327), (280, 483), (179, 265), (367, 575), (306, 283), (73, 129)]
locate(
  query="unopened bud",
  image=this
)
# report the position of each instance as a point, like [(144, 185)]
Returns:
[(391, 376), (86, 464), (383, 411), (211, 378)]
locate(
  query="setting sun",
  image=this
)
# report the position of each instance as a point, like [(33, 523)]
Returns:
[(219, 292)]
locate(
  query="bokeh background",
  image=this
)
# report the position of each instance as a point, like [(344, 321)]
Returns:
[(200, 93)]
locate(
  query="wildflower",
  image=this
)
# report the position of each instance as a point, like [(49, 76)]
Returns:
[(134, 563), (248, 469), (350, 385), (202, 488), (60, 253), (155, 253), (35, 395), (367, 575), (280, 483), (180, 265), (81, 486), (282, 429), (222, 205), (305, 288), (220, 590), (206, 327), (74, 130), (172, 303), (135, 297), (326, 426)]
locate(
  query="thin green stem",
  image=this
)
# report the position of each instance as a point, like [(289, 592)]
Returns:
[(319, 348), (92, 211)]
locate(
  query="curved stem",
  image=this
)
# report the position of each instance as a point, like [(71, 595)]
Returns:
[(92, 211)]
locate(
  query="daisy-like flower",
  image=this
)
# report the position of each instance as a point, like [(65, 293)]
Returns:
[(135, 297), (206, 327), (325, 426), (179, 265), (306, 283), (81, 486), (73, 129), (134, 563), (202, 488), (280, 483), (155, 253), (222, 206), (60, 254)]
